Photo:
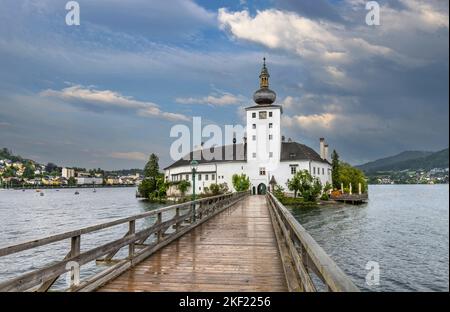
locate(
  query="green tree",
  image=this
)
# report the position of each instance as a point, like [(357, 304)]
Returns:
[(28, 173), (217, 189), (241, 182), (304, 184), (294, 184), (349, 174), (278, 192), (51, 167), (327, 187), (146, 188), (151, 174), (72, 181), (9, 172), (214, 189), (161, 189), (182, 186), (151, 169), (335, 167)]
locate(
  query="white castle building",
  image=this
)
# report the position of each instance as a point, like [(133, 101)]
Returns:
[(264, 156)]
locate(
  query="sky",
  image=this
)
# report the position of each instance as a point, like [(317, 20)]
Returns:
[(107, 92)]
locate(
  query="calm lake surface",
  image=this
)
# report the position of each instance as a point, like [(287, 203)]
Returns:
[(403, 228)]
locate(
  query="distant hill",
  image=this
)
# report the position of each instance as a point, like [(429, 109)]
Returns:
[(408, 160)]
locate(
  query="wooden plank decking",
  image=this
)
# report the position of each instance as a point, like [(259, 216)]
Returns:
[(234, 251)]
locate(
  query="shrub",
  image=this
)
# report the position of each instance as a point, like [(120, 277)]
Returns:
[(240, 182)]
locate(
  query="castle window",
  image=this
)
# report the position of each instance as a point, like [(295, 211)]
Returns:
[(254, 155), (254, 137), (270, 154), (213, 177), (199, 177), (293, 169), (262, 171), (254, 126), (206, 177), (187, 177), (263, 115), (253, 115), (270, 136), (314, 170), (323, 171), (270, 125), (270, 114)]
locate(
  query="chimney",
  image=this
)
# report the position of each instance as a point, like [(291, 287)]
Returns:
[(322, 148), (326, 151), (289, 140), (283, 138)]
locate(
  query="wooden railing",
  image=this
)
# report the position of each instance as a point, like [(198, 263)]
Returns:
[(302, 257), (167, 224)]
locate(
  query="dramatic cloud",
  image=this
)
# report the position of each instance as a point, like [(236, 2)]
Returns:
[(371, 91), (213, 99), (107, 99), (357, 85), (314, 40)]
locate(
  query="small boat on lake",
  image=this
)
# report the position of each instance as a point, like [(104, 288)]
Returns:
[(76, 193), (41, 194)]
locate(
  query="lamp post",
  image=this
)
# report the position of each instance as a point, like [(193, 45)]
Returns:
[(194, 165)]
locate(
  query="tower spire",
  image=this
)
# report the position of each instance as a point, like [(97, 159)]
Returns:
[(264, 95), (264, 76)]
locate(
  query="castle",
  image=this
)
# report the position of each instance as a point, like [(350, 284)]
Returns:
[(264, 155)]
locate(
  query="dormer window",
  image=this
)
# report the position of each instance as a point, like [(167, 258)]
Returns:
[(292, 155)]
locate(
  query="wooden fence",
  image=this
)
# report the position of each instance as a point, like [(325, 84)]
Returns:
[(169, 224)]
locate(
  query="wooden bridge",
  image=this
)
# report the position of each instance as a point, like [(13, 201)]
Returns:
[(232, 242)]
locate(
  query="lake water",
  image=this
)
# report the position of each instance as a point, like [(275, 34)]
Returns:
[(403, 228)]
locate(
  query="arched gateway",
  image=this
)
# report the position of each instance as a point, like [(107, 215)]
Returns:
[(261, 189)]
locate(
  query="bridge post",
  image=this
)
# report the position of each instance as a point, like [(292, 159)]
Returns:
[(177, 214), (159, 233), (131, 231), (75, 244)]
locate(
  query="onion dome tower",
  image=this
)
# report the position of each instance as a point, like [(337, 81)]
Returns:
[(264, 96)]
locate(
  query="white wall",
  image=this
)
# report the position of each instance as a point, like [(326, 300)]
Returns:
[(224, 171), (260, 145), (216, 173), (90, 181)]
